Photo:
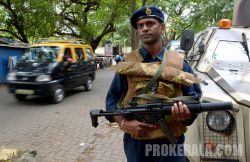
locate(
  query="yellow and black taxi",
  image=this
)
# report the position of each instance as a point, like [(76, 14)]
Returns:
[(50, 68)]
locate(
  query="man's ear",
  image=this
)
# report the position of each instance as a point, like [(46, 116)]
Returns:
[(163, 26)]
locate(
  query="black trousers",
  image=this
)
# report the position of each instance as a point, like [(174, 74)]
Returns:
[(157, 150)]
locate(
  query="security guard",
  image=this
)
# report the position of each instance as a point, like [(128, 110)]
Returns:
[(148, 74)]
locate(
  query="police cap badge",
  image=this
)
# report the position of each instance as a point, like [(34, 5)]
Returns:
[(144, 12)]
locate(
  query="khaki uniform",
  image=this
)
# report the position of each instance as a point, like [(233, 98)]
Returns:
[(168, 85)]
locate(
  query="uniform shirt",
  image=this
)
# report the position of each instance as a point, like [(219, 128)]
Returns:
[(119, 86)]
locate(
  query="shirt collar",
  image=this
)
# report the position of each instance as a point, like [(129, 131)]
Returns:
[(146, 55)]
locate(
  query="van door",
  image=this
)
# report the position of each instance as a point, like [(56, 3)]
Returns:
[(90, 60), (70, 75), (81, 66)]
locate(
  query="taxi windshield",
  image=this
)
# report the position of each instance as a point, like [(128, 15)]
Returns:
[(230, 51), (41, 53)]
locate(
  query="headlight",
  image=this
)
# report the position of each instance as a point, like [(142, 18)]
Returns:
[(220, 121), (43, 78), (11, 76)]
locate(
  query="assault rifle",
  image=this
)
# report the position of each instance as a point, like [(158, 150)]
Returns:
[(154, 113)]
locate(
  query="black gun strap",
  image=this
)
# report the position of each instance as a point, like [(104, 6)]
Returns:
[(154, 78), (151, 97), (170, 136)]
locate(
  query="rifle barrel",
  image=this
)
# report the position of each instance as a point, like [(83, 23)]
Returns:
[(216, 106)]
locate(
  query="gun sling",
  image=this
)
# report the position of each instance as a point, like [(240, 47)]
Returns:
[(144, 94)]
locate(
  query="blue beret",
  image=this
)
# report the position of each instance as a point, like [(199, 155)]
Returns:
[(144, 12)]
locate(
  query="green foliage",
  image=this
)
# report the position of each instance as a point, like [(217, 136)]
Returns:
[(193, 14), (210, 12), (24, 19), (97, 21), (118, 12), (179, 15)]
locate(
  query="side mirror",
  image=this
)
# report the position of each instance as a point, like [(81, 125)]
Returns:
[(187, 40)]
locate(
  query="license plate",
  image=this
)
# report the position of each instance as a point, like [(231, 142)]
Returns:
[(24, 91)]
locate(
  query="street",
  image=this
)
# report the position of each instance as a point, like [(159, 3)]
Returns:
[(62, 132)]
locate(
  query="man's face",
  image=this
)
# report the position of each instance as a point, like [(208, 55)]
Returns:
[(149, 30)]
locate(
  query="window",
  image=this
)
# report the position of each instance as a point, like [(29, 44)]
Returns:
[(89, 53), (41, 53), (79, 53), (230, 51), (67, 54)]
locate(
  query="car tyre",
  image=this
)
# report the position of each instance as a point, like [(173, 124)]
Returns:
[(21, 97), (89, 84), (58, 94)]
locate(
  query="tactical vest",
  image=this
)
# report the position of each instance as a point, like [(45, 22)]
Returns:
[(168, 85)]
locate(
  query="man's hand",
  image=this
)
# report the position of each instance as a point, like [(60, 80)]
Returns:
[(180, 112), (136, 128)]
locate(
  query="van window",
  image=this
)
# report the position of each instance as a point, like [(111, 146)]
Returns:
[(79, 53), (40, 53), (89, 53), (230, 51), (67, 54)]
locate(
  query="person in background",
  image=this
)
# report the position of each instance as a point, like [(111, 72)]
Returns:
[(118, 58)]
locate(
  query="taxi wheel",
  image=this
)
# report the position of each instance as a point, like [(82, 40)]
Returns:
[(20, 97), (89, 84), (58, 94)]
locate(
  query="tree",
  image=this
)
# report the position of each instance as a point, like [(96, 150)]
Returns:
[(134, 37), (24, 19), (179, 15), (96, 21), (193, 14), (90, 20)]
